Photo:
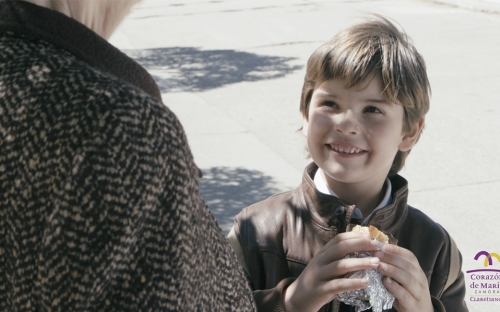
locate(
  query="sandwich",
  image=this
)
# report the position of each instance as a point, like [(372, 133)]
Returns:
[(373, 232)]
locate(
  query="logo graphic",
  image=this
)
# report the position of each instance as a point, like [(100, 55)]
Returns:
[(484, 283), (488, 261)]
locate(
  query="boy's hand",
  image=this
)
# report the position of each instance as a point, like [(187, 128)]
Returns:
[(319, 282), (404, 279)]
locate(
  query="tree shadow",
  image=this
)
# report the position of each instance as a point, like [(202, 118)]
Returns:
[(227, 191), (181, 69)]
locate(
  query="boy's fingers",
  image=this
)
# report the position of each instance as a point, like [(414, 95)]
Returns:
[(403, 272), (341, 267), (400, 264), (393, 249), (338, 248), (344, 237), (344, 248), (401, 276), (399, 292), (345, 284), (416, 299), (397, 261)]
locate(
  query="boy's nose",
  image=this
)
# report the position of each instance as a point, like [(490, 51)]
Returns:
[(346, 124)]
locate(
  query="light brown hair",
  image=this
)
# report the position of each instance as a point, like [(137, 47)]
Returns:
[(374, 47)]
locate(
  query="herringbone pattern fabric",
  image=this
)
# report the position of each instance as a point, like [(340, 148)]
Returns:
[(99, 202)]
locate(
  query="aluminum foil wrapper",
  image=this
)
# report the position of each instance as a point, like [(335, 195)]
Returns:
[(375, 296)]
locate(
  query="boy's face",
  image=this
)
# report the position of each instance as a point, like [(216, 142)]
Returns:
[(353, 134)]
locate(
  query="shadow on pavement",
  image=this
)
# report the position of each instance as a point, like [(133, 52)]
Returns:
[(179, 69), (228, 190)]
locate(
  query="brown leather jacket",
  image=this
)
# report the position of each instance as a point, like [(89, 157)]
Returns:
[(280, 235)]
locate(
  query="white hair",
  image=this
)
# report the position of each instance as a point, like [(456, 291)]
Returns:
[(102, 16)]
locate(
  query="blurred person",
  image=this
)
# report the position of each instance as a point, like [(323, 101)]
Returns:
[(99, 201)]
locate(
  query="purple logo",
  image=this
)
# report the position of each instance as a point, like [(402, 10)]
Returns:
[(488, 261)]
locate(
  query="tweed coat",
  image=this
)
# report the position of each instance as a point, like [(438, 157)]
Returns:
[(99, 201)]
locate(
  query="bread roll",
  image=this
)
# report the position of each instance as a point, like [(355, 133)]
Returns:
[(373, 232)]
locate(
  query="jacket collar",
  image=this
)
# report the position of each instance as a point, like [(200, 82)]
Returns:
[(328, 211), (39, 23)]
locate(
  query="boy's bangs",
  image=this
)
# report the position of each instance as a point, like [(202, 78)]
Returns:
[(381, 49), (354, 66), (356, 61)]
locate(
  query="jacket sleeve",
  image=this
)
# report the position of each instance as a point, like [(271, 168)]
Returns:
[(452, 297), (272, 299), (438, 257), (267, 299)]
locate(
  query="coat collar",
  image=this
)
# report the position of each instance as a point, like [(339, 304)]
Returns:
[(329, 211), (39, 23)]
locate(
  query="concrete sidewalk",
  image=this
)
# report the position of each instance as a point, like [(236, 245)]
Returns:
[(485, 6), (232, 71)]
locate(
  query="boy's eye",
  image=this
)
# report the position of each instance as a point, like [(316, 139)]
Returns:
[(372, 109), (329, 104)]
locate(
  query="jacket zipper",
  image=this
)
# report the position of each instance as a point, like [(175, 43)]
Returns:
[(328, 306)]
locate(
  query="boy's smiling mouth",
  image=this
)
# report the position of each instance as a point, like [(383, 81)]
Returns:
[(345, 149)]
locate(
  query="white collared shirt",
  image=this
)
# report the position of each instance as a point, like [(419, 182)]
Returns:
[(321, 186)]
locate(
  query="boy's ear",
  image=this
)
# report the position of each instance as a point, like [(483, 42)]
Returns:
[(305, 127), (409, 139)]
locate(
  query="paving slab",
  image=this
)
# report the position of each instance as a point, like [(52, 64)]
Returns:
[(232, 71), (485, 6)]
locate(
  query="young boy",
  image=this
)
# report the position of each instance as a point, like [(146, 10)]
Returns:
[(364, 100)]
